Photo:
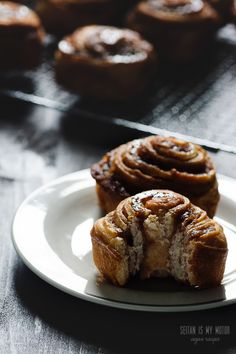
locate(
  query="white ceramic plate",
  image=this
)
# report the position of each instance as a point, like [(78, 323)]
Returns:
[(51, 233)]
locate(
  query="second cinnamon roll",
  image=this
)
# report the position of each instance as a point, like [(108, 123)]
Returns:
[(64, 16), (157, 162), (21, 36), (181, 29), (105, 62)]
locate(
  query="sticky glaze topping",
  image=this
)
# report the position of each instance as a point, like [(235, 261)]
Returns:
[(106, 43), (157, 200), (13, 11), (181, 7), (158, 162)]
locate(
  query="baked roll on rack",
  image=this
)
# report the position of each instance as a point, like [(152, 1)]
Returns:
[(105, 62), (64, 16), (159, 233), (21, 36), (157, 162), (180, 29)]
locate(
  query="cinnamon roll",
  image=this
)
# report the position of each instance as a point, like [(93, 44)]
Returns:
[(64, 16), (21, 36), (105, 62), (159, 233), (180, 29), (157, 162)]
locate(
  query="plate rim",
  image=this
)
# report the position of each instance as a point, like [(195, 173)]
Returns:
[(84, 173)]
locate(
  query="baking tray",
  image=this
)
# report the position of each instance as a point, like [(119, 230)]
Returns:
[(196, 103)]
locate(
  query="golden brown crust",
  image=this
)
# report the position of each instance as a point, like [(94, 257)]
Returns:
[(159, 232), (157, 162), (111, 264), (96, 60), (208, 247), (108, 199), (208, 264), (64, 16), (21, 36), (180, 29), (208, 201)]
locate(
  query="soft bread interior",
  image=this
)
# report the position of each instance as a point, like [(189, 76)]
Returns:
[(158, 234), (158, 231)]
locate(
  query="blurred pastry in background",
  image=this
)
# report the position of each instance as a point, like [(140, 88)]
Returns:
[(105, 62), (180, 29), (157, 162), (233, 12), (21, 36), (64, 16)]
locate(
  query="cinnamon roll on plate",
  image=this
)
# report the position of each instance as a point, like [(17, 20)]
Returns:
[(180, 29), (159, 233), (21, 36), (64, 16), (157, 162), (105, 62)]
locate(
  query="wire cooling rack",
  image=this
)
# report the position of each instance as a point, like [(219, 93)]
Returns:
[(197, 103)]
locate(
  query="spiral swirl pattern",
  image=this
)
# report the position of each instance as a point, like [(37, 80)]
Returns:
[(181, 7), (158, 162)]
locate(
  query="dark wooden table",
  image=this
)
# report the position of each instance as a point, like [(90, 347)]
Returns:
[(37, 145)]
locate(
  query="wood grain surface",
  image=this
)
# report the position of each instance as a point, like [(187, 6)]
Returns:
[(38, 145)]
